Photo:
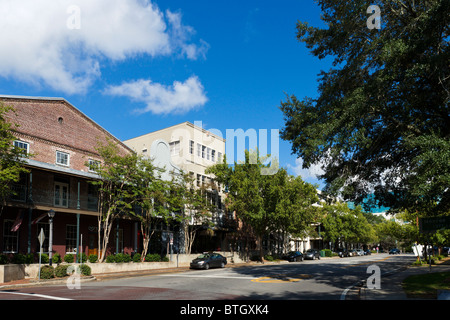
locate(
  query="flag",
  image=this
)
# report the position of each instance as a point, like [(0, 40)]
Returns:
[(18, 221), (42, 216)]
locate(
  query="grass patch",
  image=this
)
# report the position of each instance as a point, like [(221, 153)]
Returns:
[(425, 286)]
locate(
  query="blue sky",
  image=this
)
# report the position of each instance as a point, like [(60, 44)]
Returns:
[(138, 66)]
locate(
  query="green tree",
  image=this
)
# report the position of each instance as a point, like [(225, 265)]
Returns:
[(128, 186), (191, 204), (11, 157), (293, 201), (266, 203), (343, 224), (380, 123)]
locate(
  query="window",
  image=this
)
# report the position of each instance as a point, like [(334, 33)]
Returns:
[(93, 165), (61, 195), (191, 147), (199, 150), (203, 151), (22, 145), (174, 148), (213, 155), (71, 238), (62, 158), (10, 239), (208, 153)]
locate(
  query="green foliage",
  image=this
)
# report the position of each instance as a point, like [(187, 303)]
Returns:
[(11, 157), (122, 257), (47, 272), (56, 258), (111, 258), (3, 259), (93, 258), (380, 123), (265, 203), (19, 258), (137, 257), (85, 270), (69, 258), (152, 257), (83, 258), (61, 270)]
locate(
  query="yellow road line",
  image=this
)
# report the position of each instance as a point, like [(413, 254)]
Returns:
[(281, 279)]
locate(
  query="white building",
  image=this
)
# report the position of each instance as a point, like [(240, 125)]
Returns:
[(192, 149)]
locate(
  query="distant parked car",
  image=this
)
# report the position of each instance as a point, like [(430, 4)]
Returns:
[(209, 260), (353, 253), (343, 253), (367, 252), (360, 252), (312, 254), (394, 251), (293, 256)]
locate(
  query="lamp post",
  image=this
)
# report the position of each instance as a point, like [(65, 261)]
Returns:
[(51, 214)]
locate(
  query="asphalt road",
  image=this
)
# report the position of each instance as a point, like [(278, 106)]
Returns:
[(325, 279)]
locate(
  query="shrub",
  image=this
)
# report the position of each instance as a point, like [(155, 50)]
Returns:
[(165, 259), (47, 272), (93, 258), (3, 259), (85, 270), (61, 270), (152, 257), (56, 258), (268, 257), (18, 258), (69, 258), (137, 257), (328, 253), (110, 259), (122, 257), (83, 258)]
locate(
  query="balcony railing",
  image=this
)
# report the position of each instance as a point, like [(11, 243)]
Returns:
[(52, 199)]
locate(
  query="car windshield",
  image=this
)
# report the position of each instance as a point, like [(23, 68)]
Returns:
[(203, 256), (309, 250)]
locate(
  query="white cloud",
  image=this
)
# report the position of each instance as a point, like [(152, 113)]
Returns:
[(159, 99), (313, 172), (49, 42)]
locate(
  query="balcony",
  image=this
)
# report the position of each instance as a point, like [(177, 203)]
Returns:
[(58, 198)]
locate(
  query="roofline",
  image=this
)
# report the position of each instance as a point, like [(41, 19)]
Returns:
[(16, 97), (176, 125)]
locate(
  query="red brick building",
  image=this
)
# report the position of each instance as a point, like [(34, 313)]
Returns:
[(62, 141)]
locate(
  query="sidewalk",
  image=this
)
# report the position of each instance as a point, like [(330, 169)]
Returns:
[(391, 284)]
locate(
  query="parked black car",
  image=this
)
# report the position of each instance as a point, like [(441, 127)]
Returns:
[(312, 254), (394, 251), (209, 260), (367, 252), (293, 256), (343, 253)]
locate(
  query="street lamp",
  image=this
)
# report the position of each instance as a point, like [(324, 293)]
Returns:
[(51, 214)]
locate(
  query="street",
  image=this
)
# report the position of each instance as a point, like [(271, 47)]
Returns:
[(325, 279)]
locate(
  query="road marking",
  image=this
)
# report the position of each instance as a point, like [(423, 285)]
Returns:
[(281, 279), (204, 276), (36, 295)]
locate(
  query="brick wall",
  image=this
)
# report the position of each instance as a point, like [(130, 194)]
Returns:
[(55, 125)]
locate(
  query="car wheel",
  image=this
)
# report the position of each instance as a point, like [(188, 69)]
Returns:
[(314, 257), (222, 265), (207, 266)]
